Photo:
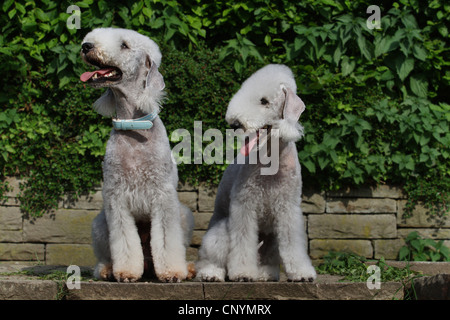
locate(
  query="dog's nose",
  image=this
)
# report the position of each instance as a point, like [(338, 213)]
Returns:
[(235, 125), (86, 47)]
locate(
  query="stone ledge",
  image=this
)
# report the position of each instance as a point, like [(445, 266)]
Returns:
[(136, 291), (28, 290), (381, 191), (361, 205), (436, 287), (352, 226), (324, 288), (26, 286)]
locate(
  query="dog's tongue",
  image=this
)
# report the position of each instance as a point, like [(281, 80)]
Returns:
[(249, 144), (87, 75)]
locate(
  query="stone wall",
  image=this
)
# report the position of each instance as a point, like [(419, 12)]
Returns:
[(366, 221)]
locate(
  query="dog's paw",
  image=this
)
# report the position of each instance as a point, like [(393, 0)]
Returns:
[(242, 279), (125, 276), (191, 271), (243, 274), (211, 273), (172, 276), (306, 275), (103, 272)]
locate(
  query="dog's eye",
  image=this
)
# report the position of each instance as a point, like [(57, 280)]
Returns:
[(264, 101), (124, 46)]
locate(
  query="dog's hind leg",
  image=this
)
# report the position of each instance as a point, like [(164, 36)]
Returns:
[(100, 243), (213, 253), (187, 223)]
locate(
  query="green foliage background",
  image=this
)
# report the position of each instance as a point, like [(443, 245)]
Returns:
[(377, 100)]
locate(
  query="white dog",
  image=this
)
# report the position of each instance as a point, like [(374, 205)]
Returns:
[(139, 174), (257, 222)]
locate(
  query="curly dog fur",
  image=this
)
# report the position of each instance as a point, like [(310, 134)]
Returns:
[(139, 174), (257, 222)]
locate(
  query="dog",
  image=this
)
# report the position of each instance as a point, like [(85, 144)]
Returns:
[(140, 201), (257, 222)]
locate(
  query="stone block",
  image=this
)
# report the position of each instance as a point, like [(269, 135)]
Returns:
[(13, 202), (432, 233), (22, 251), (14, 185), (93, 201), (191, 254), (351, 226), (100, 290), (64, 226), (320, 247), (202, 220), (197, 236), (318, 290), (313, 202), (10, 224), (206, 198), (28, 290), (189, 199), (429, 288), (361, 205), (68, 254), (388, 249), (185, 186), (381, 191), (421, 218)]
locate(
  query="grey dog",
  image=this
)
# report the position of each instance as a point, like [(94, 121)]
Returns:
[(140, 202)]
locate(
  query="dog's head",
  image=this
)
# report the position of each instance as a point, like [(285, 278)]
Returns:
[(267, 100), (125, 60)]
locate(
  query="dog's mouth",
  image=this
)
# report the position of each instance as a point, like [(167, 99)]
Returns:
[(102, 74), (256, 140)]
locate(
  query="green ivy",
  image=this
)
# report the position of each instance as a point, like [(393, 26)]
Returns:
[(418, 249), (377, 100), (353, 267)]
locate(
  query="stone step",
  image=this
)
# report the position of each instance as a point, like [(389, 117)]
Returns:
[(25, 282), (324, 288)]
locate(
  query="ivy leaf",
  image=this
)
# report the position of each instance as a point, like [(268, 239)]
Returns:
[(419, 85), (347, 66), (404, 66), (403, 254), (420, 53)]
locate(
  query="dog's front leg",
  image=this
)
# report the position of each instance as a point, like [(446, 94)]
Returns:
[(243, 256), (167, 241), (292, 244), (125, 244)]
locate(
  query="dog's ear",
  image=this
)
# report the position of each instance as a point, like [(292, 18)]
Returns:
[(150, 100), (154, 79), (106, 104), (289, 127), (293, 105)]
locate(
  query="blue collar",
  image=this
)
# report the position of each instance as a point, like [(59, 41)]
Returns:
[(135, 124)]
